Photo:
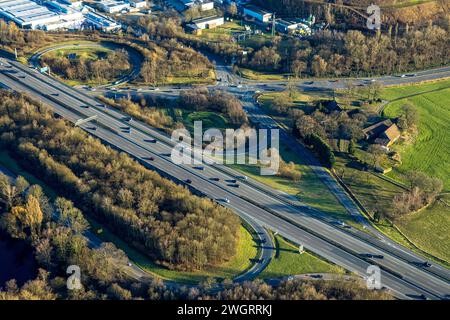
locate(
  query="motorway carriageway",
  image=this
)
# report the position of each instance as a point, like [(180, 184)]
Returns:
[(319, 237)]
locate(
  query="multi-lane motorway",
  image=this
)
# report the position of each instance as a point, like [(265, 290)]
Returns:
[(402, 273)]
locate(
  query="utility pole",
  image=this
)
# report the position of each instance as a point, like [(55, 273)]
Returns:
[(301, 249)]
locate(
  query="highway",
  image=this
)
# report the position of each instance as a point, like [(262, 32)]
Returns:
[(337, 245)]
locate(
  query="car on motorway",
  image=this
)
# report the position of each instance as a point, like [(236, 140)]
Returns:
[(199, 168), (189, 181), (226, 200), (426, 264), (243, 177), (234, 185), (127, 119), (150, 140), (151, 159), (214, 179)]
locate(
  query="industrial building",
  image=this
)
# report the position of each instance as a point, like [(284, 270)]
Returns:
[(203, 5), (138, 4), (206, 23), (114, 6), (101, 22), (257, 13)]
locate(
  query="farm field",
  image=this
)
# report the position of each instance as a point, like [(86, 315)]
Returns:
[(428, 228), (429, 152)]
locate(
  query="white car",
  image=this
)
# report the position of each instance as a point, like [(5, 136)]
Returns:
[(226, 200)]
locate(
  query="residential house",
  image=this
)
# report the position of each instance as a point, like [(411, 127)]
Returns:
[(384, 133)]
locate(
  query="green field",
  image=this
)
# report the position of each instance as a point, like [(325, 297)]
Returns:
[(288, 261), (430, 228), (93, 53), (209, 120), (430, 151)]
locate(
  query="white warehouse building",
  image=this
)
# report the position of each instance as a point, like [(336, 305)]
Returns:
[(138, 4), (257, 13), (114, 6)]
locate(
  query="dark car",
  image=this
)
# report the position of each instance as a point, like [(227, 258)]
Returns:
[(374, 256), (199, 168), (189, 181), (234, 185), (215, 179), (151, 159)]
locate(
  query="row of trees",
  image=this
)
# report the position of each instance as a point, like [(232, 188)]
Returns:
[(113, 65), (55, 232), (169, 59), (143, 111), (423, 191), (335, 53), (162, 219), (11, 37)]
